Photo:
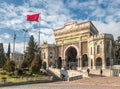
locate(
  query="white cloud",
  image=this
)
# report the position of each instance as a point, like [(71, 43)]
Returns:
[(99, 12), (5, 36), (110, 28), (19, 47)]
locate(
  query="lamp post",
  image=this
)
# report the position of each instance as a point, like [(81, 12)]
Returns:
[(14, 37), (25, 31)]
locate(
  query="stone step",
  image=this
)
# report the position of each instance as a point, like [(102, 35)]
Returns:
[(71, 74)]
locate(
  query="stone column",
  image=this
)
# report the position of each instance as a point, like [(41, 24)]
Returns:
[(89, 62), (78, 67), (63, 62), (80, 63), (103, 63), (94, 67), (80, 53), (62, 55)]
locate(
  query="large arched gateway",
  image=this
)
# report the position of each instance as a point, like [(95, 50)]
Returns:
[(79, 45), (71, 58)]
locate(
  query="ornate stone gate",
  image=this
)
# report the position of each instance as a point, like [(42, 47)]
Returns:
[(81, 45)]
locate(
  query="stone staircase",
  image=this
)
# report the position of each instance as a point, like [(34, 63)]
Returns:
[(55, 73), (69, 74)]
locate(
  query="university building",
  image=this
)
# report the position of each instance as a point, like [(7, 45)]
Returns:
[(79, 46)]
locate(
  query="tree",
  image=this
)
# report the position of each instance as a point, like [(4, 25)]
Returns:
[(31, 49), (8, 52), (9, 65), (2, 56), (117, 54), (36, 64), (24, 64), (117, 51)]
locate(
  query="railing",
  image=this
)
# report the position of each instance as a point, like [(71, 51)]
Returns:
[(116, 72), (75, 78), (98, 67)]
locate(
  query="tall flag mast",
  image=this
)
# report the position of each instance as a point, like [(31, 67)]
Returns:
[(35, 17)]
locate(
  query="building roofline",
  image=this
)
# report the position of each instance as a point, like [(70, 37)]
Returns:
[(72, 22), (55, 30)]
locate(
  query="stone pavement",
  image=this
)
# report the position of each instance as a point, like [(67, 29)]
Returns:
[(101, 81), (86, 83)]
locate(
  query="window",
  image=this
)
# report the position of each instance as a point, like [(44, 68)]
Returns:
[(108, 47), (44, 56), (98, 49), (51, 55)]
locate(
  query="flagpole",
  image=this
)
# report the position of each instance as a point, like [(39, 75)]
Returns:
[(35, 17), (39, 30)]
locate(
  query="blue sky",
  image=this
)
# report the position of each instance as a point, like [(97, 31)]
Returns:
[(105, 15)]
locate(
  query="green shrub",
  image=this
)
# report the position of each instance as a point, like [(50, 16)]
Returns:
[(4, 79), (9, 65), (3, 72), (36, 64)]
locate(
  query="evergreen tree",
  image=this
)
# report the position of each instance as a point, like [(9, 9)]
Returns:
[(9, 65), (2, 56), (31, 49), (117, 53), (8, 52), (36, 64), (24, 64)]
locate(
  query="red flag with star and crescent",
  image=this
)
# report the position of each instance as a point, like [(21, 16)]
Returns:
[(33, 17)]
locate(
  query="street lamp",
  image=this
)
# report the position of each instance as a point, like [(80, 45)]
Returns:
[(25, 31), (14, 38)]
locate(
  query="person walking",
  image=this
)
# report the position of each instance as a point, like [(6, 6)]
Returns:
[(101, 72), (88, 71)]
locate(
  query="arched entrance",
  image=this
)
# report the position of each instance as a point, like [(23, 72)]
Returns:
[(84, 61), (71, 58), (98, 63)]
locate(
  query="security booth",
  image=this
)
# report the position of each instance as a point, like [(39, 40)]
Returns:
[(116, 70)]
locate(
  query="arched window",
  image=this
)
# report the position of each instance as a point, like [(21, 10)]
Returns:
[(84, 60), (98, 49), (44, 56), (99, 63), (51, 55)]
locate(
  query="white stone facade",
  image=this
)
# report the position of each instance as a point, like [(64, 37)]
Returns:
[(82, 44)]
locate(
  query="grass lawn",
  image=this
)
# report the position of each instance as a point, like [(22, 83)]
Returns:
[(23, 79)]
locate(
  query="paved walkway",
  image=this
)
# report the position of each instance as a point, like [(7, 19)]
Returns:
[(86, 83), (101, 81)]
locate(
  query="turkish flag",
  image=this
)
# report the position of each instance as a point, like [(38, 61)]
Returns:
[(33, 17)]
